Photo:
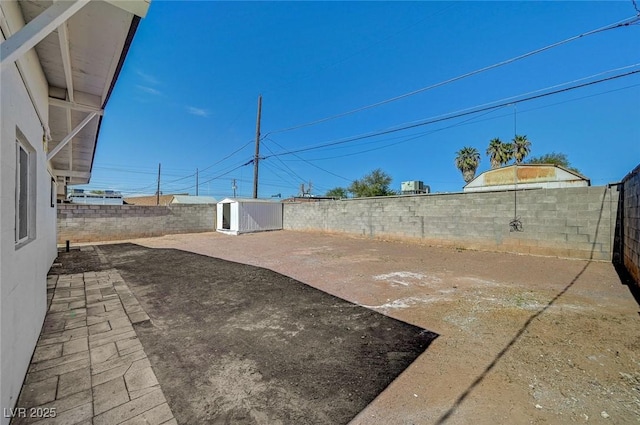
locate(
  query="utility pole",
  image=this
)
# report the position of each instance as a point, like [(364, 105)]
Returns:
[(234, 187), (196, 182), (256, 157), (158, 191), (515, 168)]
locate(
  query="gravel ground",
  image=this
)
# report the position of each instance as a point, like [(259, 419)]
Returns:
[(522, 339)]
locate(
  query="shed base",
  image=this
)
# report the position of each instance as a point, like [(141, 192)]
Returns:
[(228, 232), (237, 232)]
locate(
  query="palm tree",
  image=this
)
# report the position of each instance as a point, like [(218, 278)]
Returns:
[(509, 152), (521, 148), (467, 161), (498, 152)]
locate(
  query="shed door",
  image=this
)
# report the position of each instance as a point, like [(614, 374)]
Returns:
[(226, 216)]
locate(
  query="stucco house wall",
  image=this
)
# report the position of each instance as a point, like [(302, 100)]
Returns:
[(24, 266)]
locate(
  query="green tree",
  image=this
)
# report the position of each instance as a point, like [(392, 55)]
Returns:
[(555, 159), (97, 192), (337, 192), (376, 183), (467, 161), (499, 152), (521, 148)]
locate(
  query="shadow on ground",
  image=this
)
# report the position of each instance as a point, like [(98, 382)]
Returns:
[(628, 280), (238, 344)]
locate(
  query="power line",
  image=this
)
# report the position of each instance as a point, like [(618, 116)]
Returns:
[(619, 24), (412, 137), (218, 176), (566, 83), (228, 156), (466, 122), (150, 169), (211, 174), (110, 185), (291, 180), (212, 165), (285, 165), (149, 186), (175, 180), (452, 116), (310, 163), (130, 171)]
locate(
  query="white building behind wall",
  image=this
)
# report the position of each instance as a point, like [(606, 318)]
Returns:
[(58, 70), (238, 215)]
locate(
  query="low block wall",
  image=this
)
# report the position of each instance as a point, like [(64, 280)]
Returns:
[(95, 223), (569, 222)]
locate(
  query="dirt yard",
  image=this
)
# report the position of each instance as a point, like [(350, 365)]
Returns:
[(238, 344), (522, 339)]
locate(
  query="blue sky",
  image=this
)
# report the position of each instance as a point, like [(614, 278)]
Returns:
[(187, 94)]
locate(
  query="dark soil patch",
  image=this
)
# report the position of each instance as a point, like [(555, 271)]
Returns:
[(238, 344), (78, 260)]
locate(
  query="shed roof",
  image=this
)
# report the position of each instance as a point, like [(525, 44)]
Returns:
[(248, 201)]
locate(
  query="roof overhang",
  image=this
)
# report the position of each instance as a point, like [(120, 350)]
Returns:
[(81, 46)]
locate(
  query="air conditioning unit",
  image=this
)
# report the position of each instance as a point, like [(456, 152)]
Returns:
[(414, 187), (411, 186)]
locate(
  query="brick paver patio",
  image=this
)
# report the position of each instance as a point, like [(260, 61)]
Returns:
[(89, 366)]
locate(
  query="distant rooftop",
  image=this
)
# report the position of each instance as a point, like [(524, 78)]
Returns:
[(526, 176), (178, 198), (188, 199)]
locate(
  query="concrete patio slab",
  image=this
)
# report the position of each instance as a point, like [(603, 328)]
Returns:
[(89, 366)]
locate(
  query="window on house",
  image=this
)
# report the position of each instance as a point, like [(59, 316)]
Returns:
[(25, 192), (54, 192)]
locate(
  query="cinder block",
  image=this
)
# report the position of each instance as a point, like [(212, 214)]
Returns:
[(578, 238)]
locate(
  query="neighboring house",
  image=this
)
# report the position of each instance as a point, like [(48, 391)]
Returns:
[(59, 62), (526, 176), (169, 200), (107, 197), (150, 200), (188, 199)]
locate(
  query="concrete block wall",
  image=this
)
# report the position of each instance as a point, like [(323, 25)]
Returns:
[(568, 222), (95, 223), (630, 223)]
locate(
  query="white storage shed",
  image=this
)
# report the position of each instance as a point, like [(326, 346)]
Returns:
[(240, 215)]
